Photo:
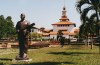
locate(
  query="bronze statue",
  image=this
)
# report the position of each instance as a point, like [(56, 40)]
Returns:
[(23, 28)]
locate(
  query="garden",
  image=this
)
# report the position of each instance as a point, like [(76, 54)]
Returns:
[(67, 55)]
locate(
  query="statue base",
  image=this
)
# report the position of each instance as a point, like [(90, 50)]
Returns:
[(22, 59), (16, 61)]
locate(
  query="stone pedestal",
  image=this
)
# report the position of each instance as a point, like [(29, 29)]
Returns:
[(23, 57), (17, 61)]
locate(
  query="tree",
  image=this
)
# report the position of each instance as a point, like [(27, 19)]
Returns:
[(35, 35), (2, 27), (7, 29), (90, 21), (91, 5), (87, 30), (59, 34), (10, 29)]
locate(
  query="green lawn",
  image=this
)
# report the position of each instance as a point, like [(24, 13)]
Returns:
[(68, 55)]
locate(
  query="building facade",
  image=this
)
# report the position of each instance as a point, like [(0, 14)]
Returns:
[(63, 25)]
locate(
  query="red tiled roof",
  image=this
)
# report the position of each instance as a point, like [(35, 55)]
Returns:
[(64, 32), (72, 33), (45, 34), (64, 23), (53, 33)]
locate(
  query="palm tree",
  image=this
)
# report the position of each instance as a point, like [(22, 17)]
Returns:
[(84, 7), (87, 29), (90, 21)]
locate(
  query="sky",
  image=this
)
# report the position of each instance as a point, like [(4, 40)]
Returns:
[(41, 12)]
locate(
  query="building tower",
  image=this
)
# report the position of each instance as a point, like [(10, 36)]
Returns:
[(64, 17), (64, 25)]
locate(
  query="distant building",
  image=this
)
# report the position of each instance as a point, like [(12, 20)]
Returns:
[(67, 27), (64, 25)]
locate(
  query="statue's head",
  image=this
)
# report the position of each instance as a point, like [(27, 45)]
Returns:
[(22, 16)]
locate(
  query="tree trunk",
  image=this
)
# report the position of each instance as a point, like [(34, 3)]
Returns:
[(91, 42), (98, 29), (87, 41)]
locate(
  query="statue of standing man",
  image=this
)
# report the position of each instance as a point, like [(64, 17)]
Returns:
[(23, 28)]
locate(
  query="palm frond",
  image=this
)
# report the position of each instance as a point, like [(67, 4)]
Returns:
[(95, 2), (93, 16), (85, 12), (89, 23), (83, 29), (80, 3)]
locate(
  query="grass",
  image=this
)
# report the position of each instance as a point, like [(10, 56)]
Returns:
[(68, 55)]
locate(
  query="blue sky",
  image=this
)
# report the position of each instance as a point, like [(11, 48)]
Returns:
[(42, 12)]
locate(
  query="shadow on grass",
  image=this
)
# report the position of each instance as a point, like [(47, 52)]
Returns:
[(6, 59), (1, 64), (47, 63), (70, 53)]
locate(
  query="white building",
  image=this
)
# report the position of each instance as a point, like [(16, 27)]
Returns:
[(64, 25), (67, 27)]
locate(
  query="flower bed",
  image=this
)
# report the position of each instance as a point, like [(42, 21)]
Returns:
[(39, 45), (54, 43), (34, 45)]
